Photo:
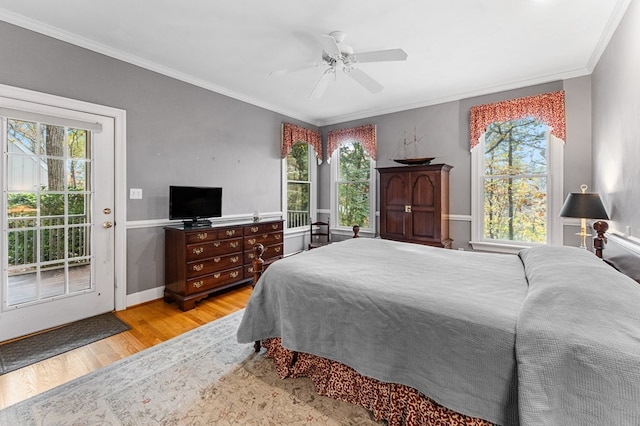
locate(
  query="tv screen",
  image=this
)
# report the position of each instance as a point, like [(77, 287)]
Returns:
[(191, 203)]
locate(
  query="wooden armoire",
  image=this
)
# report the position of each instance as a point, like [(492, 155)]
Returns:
[(414, 204)]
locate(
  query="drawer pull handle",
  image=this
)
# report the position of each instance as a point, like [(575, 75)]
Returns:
[(198, 250), (216, 259), (275, 226), (254, 229), (217, 244), (278, 236), (198, 284), (233, 274), (251, 241), (234, 259), (250, 270), (277, 249), (234, 244), (199, 267), (202, 236), (252, 256), (216, 275), (231, 232)]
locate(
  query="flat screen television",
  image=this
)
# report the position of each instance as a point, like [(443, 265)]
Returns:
[(194, 204)]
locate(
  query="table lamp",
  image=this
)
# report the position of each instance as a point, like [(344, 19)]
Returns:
[(586, 205)]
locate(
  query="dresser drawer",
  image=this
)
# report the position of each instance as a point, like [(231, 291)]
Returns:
[(213, 248), (214, 280), (264, 239), (201, 236), (214, 264), (262, 228), (226, 233), (269, 252)]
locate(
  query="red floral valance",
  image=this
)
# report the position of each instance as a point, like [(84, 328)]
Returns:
[(548, 108), (365, 135), (292, 134)]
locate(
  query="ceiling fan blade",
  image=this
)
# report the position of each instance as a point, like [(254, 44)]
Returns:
[(330, 46), (364, 79), (380, 56), (322, 84), (297, 68)]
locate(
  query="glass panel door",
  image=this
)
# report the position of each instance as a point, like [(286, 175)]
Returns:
[(57, 257), (47, 199)]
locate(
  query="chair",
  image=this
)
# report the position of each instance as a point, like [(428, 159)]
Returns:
[(320, 234)]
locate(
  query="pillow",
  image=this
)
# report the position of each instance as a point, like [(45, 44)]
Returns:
[(622, 258)]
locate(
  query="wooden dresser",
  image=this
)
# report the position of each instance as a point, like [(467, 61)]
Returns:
[(414, 204), (202, 261)]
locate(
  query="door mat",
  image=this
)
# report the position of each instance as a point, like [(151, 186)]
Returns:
[(20, 353)]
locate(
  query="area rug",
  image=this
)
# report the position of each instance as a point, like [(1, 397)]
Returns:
[(203, 377), (32, 349)]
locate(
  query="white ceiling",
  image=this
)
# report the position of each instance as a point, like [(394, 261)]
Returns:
[(456, 48)]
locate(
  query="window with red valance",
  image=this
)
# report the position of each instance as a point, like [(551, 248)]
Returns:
[(547, 107), (292, 134), (517, 157), (364, 135)]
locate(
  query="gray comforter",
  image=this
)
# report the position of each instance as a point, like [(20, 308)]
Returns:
[(445, 322), (578, 341), (440, 321)]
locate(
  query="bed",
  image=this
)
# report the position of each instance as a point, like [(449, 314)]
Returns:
[(422, 335)]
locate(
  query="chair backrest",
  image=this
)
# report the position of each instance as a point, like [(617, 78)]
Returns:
[(320, 234)]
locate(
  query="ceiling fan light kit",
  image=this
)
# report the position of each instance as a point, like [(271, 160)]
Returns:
[(339, 56)]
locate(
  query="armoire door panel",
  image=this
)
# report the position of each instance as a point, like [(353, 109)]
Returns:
[(414, 204), (423, 190)]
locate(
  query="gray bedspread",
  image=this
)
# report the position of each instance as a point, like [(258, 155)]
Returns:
[(578, 341), (548, 337), (440, 321)]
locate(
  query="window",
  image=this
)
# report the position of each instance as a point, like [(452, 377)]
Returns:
[(299, 188), (353, 172), (517, 178)]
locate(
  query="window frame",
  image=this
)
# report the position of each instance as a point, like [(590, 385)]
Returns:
[(335, 167), (555, 178), (313, 190)]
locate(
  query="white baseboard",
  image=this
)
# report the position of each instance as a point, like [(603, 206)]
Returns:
[(145, 296)]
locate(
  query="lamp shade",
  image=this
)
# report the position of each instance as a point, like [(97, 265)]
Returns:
[(584, 205)]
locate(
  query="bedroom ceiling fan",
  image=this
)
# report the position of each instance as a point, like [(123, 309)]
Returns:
[(338, 57)]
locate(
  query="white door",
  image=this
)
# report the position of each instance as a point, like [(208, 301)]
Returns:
[(57, 204)]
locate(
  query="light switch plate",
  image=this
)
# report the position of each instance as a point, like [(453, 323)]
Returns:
[(135, 193)]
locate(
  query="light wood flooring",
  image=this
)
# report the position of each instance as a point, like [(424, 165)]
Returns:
[(151, 323)]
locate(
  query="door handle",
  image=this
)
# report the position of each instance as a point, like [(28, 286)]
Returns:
[(107, 225)]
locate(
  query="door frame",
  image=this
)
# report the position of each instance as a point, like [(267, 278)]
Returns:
[(120, 171)]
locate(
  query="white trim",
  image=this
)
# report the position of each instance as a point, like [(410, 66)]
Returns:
[(145, 296), (235, 219), (630, 243), (605, 37), (50, 119), (120, 148), (460, 217)]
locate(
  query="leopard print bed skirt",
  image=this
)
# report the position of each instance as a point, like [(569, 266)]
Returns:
[(397, 404)]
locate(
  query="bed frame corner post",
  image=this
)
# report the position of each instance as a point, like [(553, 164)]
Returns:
[(258, 267)]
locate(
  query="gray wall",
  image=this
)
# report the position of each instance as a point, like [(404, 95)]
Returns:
[(616, 124), (445, 132), (177, 133)]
